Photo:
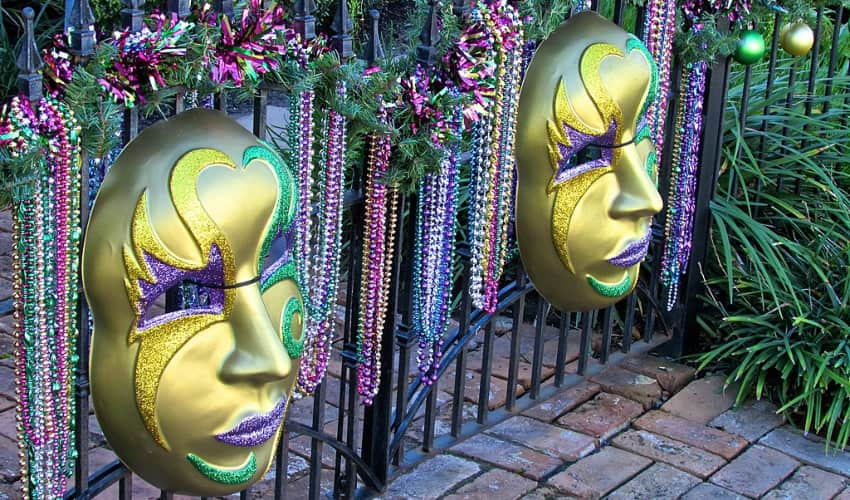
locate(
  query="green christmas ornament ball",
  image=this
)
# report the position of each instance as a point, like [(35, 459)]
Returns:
[(750, 47)]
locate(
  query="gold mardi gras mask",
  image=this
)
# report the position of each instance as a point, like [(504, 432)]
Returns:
[(586, 190), (193, 400)]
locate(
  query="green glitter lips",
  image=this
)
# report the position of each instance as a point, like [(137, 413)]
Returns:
[(611, 291), (238, 475)]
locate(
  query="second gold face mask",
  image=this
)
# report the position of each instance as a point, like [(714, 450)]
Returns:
[(193, 400), (586, 189)]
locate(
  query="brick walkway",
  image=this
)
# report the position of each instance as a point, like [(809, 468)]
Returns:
[(614, 436)]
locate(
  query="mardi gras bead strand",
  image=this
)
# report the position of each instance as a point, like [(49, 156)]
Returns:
[(683, 179), (378, 239), (45, 265), (324, 261), (433, 253), (493, 142), (660, 29)]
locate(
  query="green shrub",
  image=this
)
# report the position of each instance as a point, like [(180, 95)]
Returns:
[(779, 275)]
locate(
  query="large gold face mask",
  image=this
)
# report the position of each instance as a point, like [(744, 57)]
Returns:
[(193, 400), (586, 190)]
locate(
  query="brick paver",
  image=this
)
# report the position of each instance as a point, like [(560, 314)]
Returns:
[(432, 478), (600, 473), (702, 400), (751, 420), (544, 493), (493, 484), (708, 491), (513, 457), (756, 471), (547, 438), (603, 416), (809, 482), (563, 402), (500, 367), (498, 390), (680, 455), (657, 482), (707, 438), (808, 450), (669, 375), (634, 386)]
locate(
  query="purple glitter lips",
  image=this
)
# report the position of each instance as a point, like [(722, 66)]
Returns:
[(257, 429), (634, 253)]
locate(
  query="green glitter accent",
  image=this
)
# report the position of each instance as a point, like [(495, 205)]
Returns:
[(633, 44), (237, 476), (651, 163), (284, 210), (293, 347), (611, 291), (284, 272)]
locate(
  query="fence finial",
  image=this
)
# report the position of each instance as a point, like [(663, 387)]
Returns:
[(426, 52), (342, 26), (374, 48), (82, 29), (460, 8), (225, 7), (133, 16), (179, 7), (305, 22), (29, 61)]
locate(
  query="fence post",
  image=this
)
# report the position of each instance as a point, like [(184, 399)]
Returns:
[(179, 7), (374, 48), (82, 29), (225, 7), (29, 62), (426, 51), (132, 16), (305, 22), (686, 333), (342, 25)]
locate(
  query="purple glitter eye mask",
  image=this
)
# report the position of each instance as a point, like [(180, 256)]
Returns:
[(166, 276), (579, 140), (634, 253), (256, 429)]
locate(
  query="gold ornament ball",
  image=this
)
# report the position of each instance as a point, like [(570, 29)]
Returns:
[(797, 38)]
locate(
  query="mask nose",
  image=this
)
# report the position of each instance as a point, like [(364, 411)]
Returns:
[(638, 196), (258, 355)]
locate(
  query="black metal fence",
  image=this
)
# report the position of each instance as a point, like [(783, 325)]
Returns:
[(494, 365)]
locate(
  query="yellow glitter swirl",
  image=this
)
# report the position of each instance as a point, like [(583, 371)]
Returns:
[(159, 343)]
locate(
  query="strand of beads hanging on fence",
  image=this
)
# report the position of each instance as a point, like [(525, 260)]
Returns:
[(495, 28), (318, 256), (433, 256), (660, 30), (678, 231), (46, 248), (378, 239)]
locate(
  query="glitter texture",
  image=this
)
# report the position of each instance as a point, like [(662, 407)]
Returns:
[(294, 347), (611, 291), (225, 476), (566, 199), (159, 342), (634, 253), (284, 210), (257, 429)]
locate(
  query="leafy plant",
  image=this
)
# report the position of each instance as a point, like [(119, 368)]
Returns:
[(778, 285)]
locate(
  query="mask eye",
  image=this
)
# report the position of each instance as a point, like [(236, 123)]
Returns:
[(208, 283), (590, 157)]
